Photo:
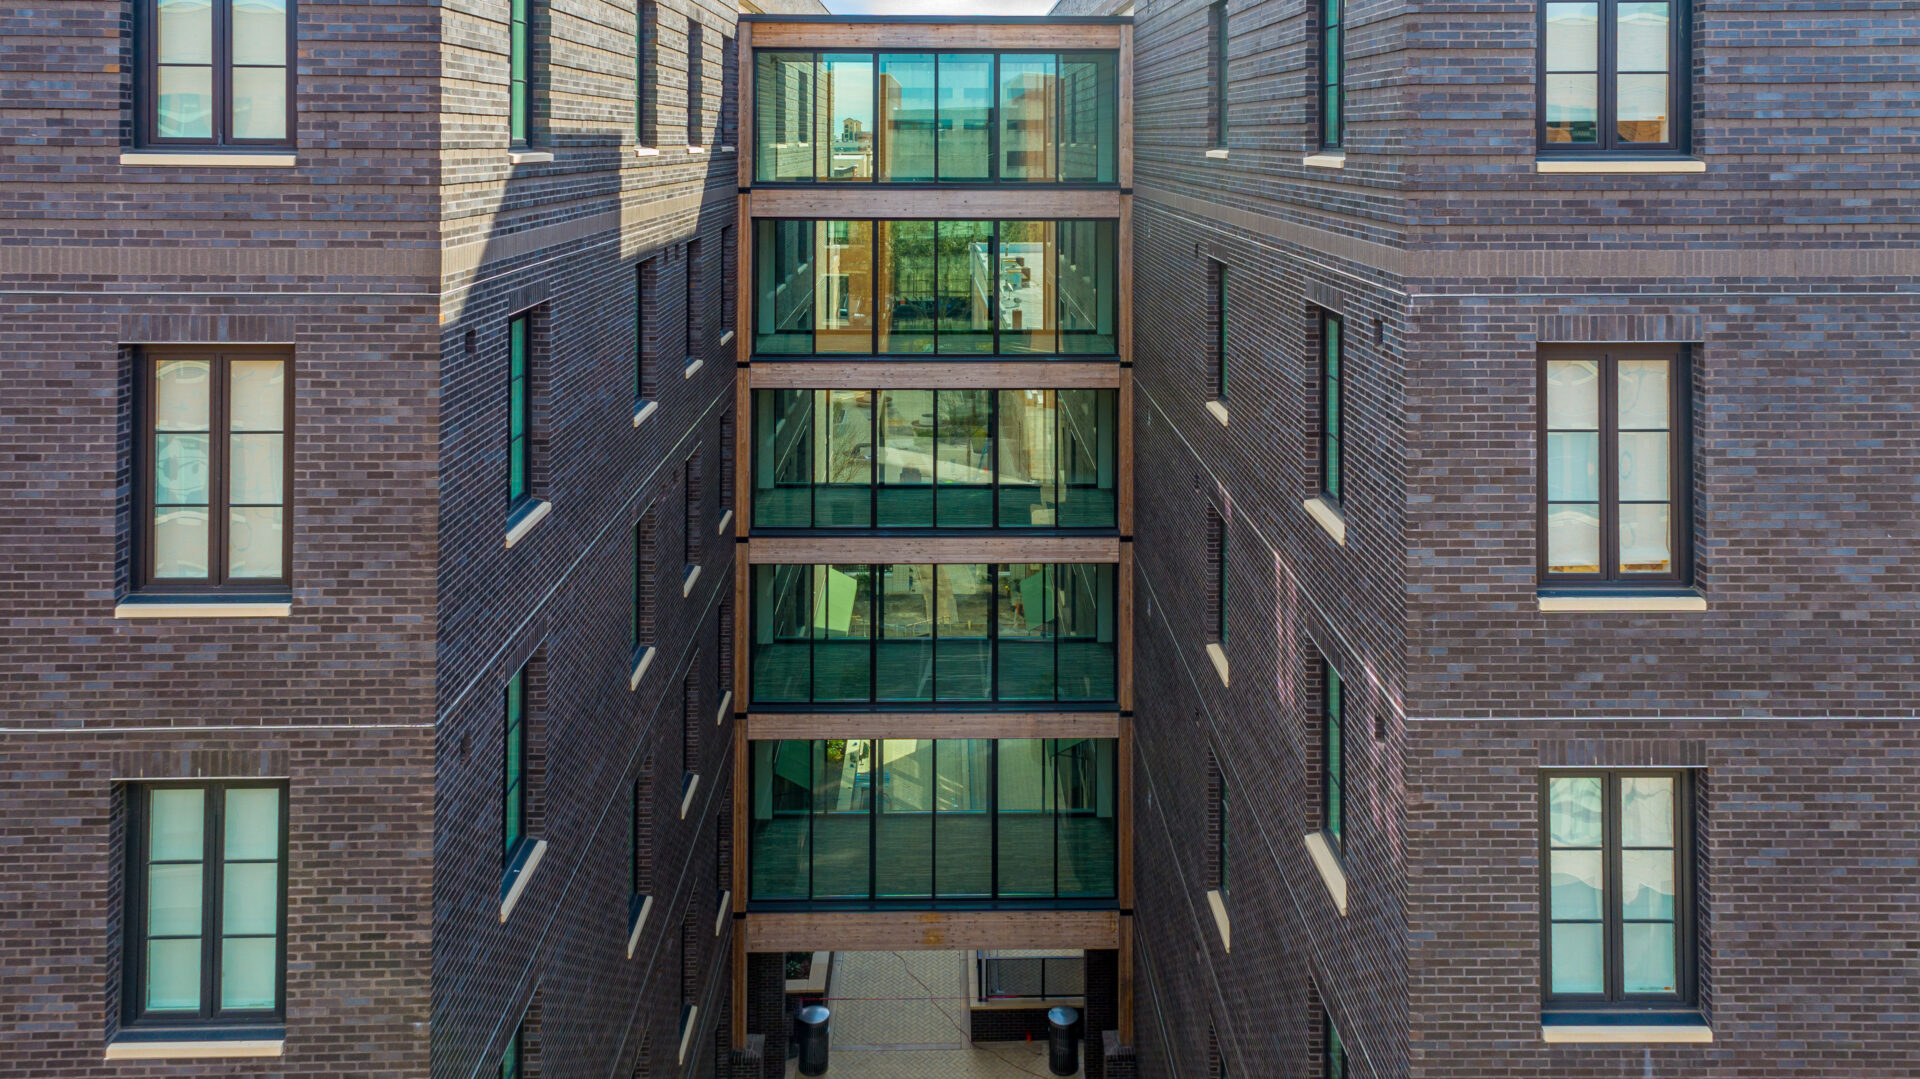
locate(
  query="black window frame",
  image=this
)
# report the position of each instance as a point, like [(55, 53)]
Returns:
[(1217, 307), (1333, 1048), (1680, 479), (522, 410), (1615, 1000), (513, 1058), (514, 784), (819, 100), (520, 65), (1331, 42), (219, 479), (134, 1015), (1679, 88), (1332, 364), (1223, 870), (147, 82), (1333, 756)]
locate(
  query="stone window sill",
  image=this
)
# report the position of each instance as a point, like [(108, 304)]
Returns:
[(1577, 602), (528, 157), (686, 583), (1218, 904), (642, 659), (726, 338), (1332, 874), (1218, 655), (183, 1045), (140, 606), (726, 703), (519, 874), (688, 1025), (1682, 1029), (726, 908), (1217, 155), (688, 784), (1219, 411), (692, 368), (191, 159), (1642, 166), (1327, 517), (637, 921), (643, 410), (523, 521), (696, 149), (725, 520), (646, 151), (1334, 159)]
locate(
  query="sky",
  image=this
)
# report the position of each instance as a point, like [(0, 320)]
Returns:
[(939, 7)]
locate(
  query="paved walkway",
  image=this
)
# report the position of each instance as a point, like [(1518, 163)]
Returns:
[(903, 1015)]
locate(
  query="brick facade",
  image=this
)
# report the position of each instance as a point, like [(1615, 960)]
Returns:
[(387, 259)]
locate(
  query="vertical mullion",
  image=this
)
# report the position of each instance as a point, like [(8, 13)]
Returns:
[(1609, 468), (1053, 761), (1610, 885), (873, 458), (813, 479), (993, 166), (993, 812), (813, 846), (993, 455), (935, 178), (1608, 81), (873, 811), (219, 480), (874, 578), (873, 263), (933, 476), (1050, 576), (993, 635), (222, 74), (210, 906)]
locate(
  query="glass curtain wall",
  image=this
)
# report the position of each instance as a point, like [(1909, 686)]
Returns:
[(1004, 459), (936, 288), (915, 635), (865, 820), (966, 117)]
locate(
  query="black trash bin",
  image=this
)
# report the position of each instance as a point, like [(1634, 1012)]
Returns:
[(1063, 1041), (813, 1039)]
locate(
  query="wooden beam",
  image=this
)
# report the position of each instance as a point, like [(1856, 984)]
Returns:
[(1124, 323), (927, 37), (923, 550), (742, 803), (906, 931), (743, 281), (1124, 410), (1123, 627), (860, 201), (742, 624), (927, 375), (1126, 105), (1123, 792), (766, 727)]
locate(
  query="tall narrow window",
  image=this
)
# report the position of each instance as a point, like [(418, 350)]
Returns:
[(1217, 71), (214, 493), (646, 278), (206, 904), (690, 725), (1618, 889), (1217, 576), (692, 484), (1333, 753), (1613, 457), (646, 31), (1611, 77), (1217, 326), (1333, 74), (519, 64), (1222, 849), (694, 313), (512, 1058), (513, 776), (1334, 1064), (1333, 402), (215, 73), (519, 410), (697, 113), (641, 637), (729, 286)]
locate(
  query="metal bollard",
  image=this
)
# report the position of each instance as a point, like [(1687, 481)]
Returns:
[(813, 1039), (1063, 1041)]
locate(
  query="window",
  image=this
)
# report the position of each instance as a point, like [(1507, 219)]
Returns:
[(1608, 77), (645, 43), (519, 96), (1217, 325), (641, 835), (519, 411), (692, 483), (697, 116), (1333, 74), (1217, 70), (513, 772), (1614, 457), (215, 73), (1222, 861), (1333, 408), (1334, 1064), (728, 285), (646, 277), (206, 904), (1618, 894), (1333, 752), (513, 1059), (693, 300), (214, 506), (1217, 577), (641, 630), (690, 721)]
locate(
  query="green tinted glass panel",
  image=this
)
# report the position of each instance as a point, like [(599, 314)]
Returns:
[(964, 123), (906, 89)]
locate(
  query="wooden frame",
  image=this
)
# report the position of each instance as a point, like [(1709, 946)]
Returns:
[(921, 203), (896, 549), (1331, 483), (1332, 42), (219, 477), (950, 930), (780, 726), (911, 373), (147, 84), (940, 33)]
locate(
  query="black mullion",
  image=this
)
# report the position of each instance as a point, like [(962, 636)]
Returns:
[(1050, 576), (993, 635), (873, 805), (993, 811), (1059, 116), (1607, 80), (873, 272), (993, 260), (813, 645), (1053, 761), (933, 486), (874, 578), (1609, 399), (936, 179), (993, 454), (933, 751), (1610, 886), (222, 72), (813, 480), (211, 894), (873, 457), (813, 845), (993, 156), (219, 475)]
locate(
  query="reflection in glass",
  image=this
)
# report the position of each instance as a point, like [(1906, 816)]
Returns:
[(1573, 466), (963, 451), (965, 290), (966, 117), (907, 286), (845, 137), (783, 253), (907, 463), (1025, 817), (843, 307), (1029, 100), (1088, 118), (965, 606), (783, 92), (842, 818), (1026, 288), (1087, 264), (906, 630), (904, 821), (963, 822), (843, 459), (906, 117)]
